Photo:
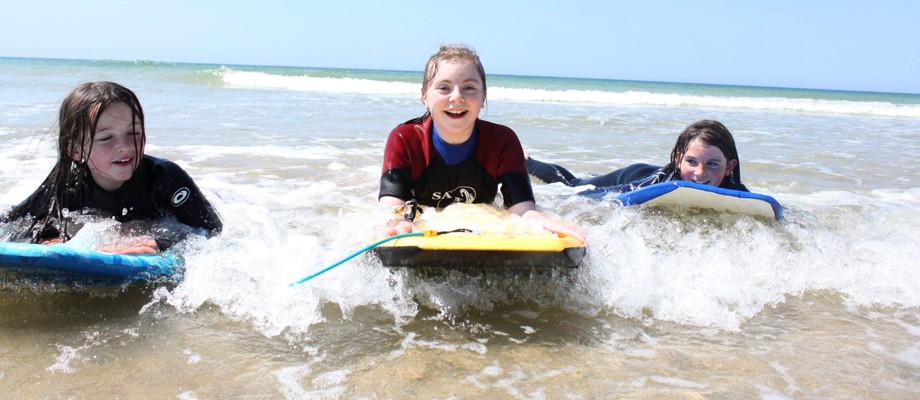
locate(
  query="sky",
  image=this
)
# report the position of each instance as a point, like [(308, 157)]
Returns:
[(838, 45)]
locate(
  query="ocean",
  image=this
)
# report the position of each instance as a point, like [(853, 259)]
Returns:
[(666, 304)]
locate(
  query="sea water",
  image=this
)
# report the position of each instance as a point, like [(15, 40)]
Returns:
[(666, 304)]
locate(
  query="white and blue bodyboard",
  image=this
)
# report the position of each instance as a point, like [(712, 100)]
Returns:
[(695, 195)]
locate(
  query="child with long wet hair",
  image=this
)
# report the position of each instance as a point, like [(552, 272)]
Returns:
[(449, 155), (102, 169), (704, 153)]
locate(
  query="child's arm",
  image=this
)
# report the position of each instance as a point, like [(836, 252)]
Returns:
[(141, 245), (181, 197)]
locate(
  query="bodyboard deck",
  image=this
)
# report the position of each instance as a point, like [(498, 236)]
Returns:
[(694, 195), (61, 259), (462, 250)]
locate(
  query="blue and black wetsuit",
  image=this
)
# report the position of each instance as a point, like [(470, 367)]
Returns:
[(622, 180)]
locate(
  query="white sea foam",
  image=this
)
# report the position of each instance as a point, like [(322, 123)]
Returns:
[(634, 98), (67, 354), (718, 273), (244, 79)]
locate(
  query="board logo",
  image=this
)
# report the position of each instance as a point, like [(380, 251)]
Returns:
[(180, 197)]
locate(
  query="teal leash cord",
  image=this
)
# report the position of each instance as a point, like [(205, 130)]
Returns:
[(355, 254), (375, 244)]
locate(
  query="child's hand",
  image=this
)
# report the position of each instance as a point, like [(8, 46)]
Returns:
[(399, 224), (565, 228), (396, 227), (527, 209), (559, 226)]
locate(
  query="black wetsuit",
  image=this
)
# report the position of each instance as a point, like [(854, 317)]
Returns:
[(413, 169), (622, 180), (158, 188)]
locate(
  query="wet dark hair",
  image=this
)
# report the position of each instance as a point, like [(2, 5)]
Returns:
[(66, 186), (712, 133), (449, 52), (80, 113)]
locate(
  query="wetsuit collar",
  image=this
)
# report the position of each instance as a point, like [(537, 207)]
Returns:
[(454, 154)]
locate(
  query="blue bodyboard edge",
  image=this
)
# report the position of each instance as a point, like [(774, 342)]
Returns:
[(39, 259)]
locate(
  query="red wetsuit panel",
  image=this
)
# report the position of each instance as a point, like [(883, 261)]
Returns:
[(413, 169)]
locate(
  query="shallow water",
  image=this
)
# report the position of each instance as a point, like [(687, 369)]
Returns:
[(667, 303)]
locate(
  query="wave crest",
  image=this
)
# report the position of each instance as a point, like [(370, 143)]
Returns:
[(261, 80)]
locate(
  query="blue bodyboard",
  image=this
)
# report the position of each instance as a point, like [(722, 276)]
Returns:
[(62, 259), (695, 195)]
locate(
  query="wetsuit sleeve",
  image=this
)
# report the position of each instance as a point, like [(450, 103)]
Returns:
[(551, 173), (658, 175), (179, 195), (635, 174), (396, 183), (512, 172), (396, 180), (516, 188)]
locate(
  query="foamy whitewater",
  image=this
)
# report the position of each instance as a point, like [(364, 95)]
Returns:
[(666, 304)]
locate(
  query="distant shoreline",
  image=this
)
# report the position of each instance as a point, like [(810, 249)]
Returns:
[(492, 76)]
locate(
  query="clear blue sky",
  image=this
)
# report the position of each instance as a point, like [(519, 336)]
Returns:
[(847, 45)]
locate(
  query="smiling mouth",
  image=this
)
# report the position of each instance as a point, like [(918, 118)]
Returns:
[(455, 113), (123, 161)]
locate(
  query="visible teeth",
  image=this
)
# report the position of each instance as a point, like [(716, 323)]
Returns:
[(456, 111)]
